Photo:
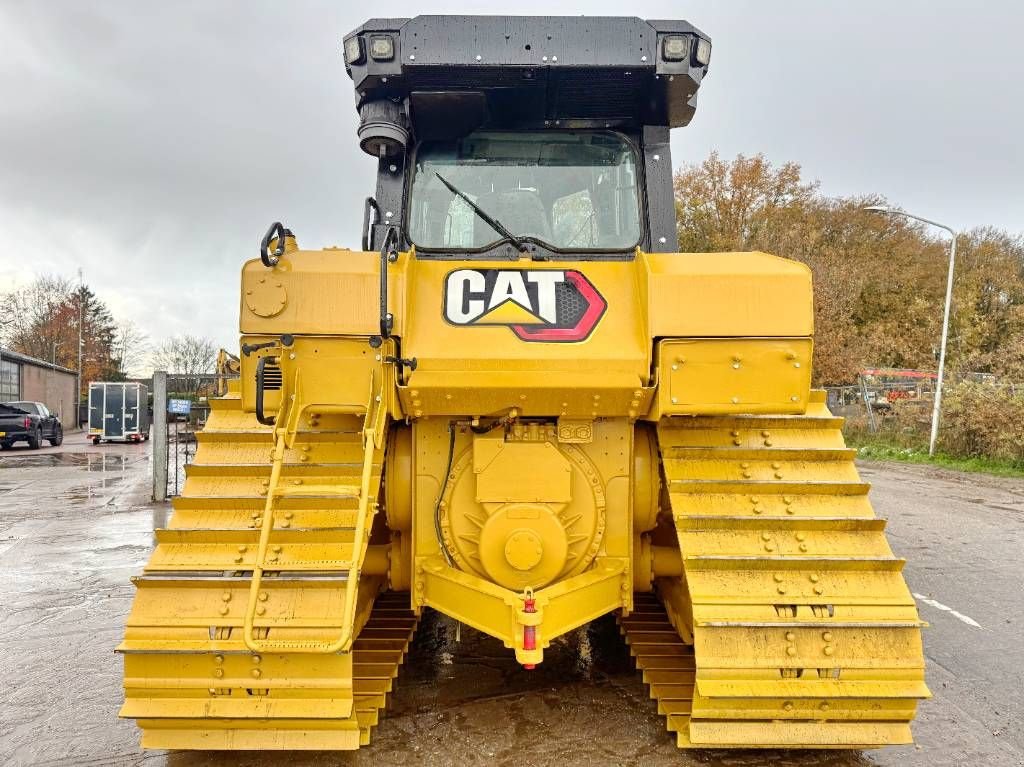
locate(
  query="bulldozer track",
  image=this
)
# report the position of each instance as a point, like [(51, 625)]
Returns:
[(665, 661), (191, 678), (792, 625), (378, 652)]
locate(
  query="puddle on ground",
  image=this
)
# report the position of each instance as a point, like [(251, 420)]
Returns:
[(85, 492), (88, 461)]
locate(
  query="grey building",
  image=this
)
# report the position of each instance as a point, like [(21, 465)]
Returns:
[(34, 380)]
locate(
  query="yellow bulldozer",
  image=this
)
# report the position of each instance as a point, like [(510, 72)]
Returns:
[(517, 405)]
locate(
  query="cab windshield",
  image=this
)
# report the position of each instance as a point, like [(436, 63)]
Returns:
[(564, 190)]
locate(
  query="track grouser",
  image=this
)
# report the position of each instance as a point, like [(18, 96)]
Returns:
[(516, 404)]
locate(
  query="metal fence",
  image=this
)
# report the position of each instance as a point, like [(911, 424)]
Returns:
[(881, 397), (871, 400)]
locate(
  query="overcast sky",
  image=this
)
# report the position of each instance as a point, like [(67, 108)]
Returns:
[(151, 143)]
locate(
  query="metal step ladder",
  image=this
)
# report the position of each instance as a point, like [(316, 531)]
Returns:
[(247, 626)]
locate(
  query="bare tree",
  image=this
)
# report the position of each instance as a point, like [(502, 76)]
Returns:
[(131, 347), (187, 358)]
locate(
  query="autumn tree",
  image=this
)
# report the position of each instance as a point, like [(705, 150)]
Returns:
[(44, 323), (725, 206), (31, 325), (987, 328), (879, 281)]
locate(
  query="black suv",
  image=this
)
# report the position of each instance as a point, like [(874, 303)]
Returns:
[(28, 422)]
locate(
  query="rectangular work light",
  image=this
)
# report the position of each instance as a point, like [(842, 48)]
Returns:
[(382, 48), (703, 55), (354, 50), (675, 48)]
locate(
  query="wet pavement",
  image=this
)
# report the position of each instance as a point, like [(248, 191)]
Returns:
[(76, 523)]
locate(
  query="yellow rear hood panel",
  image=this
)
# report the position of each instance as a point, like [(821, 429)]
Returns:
[(664, 295)]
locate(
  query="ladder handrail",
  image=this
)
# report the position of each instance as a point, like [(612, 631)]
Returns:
[(375, 422), (267, 524)]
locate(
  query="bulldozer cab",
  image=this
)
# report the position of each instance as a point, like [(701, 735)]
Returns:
[(557, 128)]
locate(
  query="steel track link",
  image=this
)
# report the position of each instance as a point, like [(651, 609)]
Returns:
[(666, 662), (378, 652), (805, 634)]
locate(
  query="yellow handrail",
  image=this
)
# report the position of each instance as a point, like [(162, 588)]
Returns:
[(267, 524), (371, 441)]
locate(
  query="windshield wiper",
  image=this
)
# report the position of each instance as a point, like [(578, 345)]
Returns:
[(492, 222)]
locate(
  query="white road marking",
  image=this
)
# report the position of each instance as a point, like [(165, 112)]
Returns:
[(939, 606)]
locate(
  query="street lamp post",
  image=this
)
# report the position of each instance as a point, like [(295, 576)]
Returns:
[(937, 407), (53, 357), (81, 344)]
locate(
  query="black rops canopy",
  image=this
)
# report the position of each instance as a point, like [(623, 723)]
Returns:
[(444, 76)]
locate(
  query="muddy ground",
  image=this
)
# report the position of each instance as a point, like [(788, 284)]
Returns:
[(76, 523)]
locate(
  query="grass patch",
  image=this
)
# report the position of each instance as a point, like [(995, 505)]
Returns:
[(880, 451)]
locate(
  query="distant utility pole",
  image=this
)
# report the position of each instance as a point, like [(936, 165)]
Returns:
[(81, 316), (937, 407)]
